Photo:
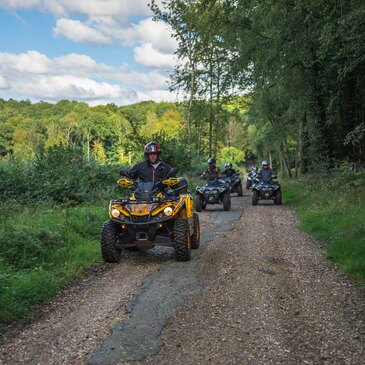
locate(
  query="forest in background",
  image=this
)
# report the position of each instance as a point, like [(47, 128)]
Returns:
[(116, 135), (301, 62)]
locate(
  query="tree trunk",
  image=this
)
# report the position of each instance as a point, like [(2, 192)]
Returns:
[(285, 160), (191, 98), (302, 160), (211, 119)]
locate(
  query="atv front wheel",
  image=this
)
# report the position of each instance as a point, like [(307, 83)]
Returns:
[(254, 198), (182, 240), (227, 201), (278, 199), (109, 242), (198, 204), (195, 238), (239, 190)]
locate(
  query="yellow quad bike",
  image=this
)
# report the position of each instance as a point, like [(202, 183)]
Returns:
[(155, 215)]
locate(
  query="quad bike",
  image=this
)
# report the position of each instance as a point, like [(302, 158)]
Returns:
[(156, 214), (216, 191), (234, 183), (266, 190)]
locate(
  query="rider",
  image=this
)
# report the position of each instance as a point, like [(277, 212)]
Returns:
[(212, 172), (152, 169), (228, 170), (265, 174)]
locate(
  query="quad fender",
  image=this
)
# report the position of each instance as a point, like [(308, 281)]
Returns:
[(184, 208)]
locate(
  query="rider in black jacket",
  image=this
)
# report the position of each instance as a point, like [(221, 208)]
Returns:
[(228, 170), (151, 170), (212, 172)]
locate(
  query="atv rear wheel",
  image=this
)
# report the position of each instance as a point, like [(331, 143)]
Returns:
[(182, 240), (109, 242), (227, 201), (248, 185), (198, 204), (254, 198), (278, 199), (239, 190), (195, 238)]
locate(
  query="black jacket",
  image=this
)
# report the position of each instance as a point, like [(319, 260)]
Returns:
[(229, 172), (211, 173), (147, 173)]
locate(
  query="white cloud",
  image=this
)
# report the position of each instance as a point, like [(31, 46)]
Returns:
[(89, 8), (147, 81), (105, 22), (3, 83), (151, 57), (157, 95), (156, 33), (30, 62), (79, 32), (77, 77)]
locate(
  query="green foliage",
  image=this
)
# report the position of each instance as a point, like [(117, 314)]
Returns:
[(60, 174), (302, 64), (41, 254), (231, 154), (332, 208)]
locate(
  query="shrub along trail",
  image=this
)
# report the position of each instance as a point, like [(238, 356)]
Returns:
[(258, 291)]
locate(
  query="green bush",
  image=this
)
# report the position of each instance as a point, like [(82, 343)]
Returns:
[(61, 175)]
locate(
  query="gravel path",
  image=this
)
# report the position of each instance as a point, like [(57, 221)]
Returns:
[(80, 318), (268, 296)]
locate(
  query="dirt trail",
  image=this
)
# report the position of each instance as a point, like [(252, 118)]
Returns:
[(259, 291), (269, 297)]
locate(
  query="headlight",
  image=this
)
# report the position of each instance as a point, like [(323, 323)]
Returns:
[(168, 211), (115, 213)]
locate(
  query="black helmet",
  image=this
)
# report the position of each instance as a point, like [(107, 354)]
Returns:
[(151, 147), (211, 161), (228, 165)]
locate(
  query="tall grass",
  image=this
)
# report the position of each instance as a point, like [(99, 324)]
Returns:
[(332, 208), (43, 249)]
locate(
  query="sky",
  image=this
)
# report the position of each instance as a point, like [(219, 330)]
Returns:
[(96, 51)]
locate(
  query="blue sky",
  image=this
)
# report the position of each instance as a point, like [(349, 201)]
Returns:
[(98, 51)]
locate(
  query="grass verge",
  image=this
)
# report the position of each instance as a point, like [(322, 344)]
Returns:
[(42, 249), (332, 209)]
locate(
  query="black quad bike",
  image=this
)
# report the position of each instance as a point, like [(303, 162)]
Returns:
[(156, 214), (215, 191), (234, 183), (266, 190)]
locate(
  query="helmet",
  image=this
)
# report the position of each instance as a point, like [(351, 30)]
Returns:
[(211, 161), (265, 163), (151, 147), (228, 165)]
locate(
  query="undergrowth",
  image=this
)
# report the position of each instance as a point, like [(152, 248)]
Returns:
[(332, 208)]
